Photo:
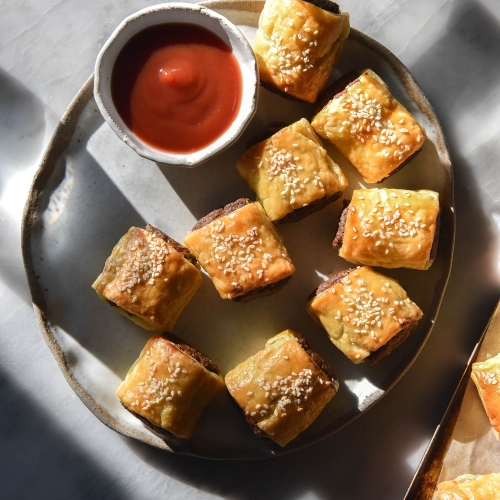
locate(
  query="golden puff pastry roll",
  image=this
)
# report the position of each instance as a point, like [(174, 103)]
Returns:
[(241, 250), (297, 44), (169, 387), (470, 487), (291, 173), (149, 278), (366, 314), (390, 228), (486, 376), (370, 127), (283, 388)]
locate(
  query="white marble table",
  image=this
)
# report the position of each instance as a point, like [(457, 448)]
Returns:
[(53, 447)]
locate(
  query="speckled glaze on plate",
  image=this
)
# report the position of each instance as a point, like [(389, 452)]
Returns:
[(91, 188)]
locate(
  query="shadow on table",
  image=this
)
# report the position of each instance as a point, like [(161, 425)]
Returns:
[(38, 460), (22, 126)]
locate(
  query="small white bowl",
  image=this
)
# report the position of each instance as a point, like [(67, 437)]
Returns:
[(177, 13)]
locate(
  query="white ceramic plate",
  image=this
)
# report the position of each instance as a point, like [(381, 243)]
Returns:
[(91, 187)]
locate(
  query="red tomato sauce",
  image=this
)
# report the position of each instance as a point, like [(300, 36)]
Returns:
[(177, 87)]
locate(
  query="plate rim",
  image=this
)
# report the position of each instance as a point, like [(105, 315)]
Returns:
[(60, 140)]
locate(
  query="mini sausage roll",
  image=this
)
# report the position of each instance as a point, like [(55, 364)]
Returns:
[(169, 386), (241, 251), (149, 278), (283, 388), (486, 376), (366, 314), (469, 487), (297, 44), (291, 173), (370, 127), (389, 228)]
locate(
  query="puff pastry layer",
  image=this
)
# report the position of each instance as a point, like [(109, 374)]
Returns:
[(390, 228), (283, 388), (147, 279), (470, 487), (297, 44), (241, 251), (168, 387), (291, 170), (370, 127), (363, 311), (486, 376)]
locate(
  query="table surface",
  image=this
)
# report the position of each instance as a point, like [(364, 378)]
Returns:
[(54, 447)]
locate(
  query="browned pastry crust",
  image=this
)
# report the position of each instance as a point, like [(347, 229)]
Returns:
[(290, 172), (486, 376), (469, 487), (149, 278), (336, 88), (377, 315), (389, 228), (368, 125), (169, 386), (156, 429), (339, 236), (320, 363), (395, 342), (408, 160), (194, 353), (184, 251), (330, 282), (297, 44), (263, 267), (283, 388)]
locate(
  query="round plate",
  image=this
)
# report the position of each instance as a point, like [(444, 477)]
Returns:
[(91, 188)]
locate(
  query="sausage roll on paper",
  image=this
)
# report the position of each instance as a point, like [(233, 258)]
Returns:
[(149, 278), (169, 386), (297, 44), (389, 228), (291, 173), (283, 388), (486, 376), (370, 127), (241, 250), (365, 313), (470, 487)]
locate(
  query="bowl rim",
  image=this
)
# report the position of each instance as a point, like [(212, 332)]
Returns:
[(222, 142)]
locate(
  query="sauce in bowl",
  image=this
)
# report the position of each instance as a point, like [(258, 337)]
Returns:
[(177, 87)]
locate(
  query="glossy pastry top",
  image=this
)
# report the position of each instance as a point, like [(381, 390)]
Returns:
[(168, 387), (486, 376), (370, 127), (290, 170), (296, 45), (363, 311), (281, 388), (149, 279), (470, 487), (391, 228), (241, 251)]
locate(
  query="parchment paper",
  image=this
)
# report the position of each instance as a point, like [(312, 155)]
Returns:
[(474, 448)]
